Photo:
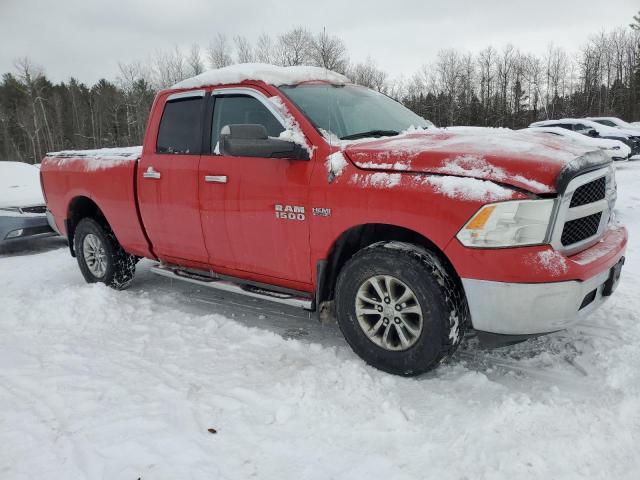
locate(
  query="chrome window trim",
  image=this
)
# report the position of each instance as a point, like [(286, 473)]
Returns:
[(565, 214), (189, 94)]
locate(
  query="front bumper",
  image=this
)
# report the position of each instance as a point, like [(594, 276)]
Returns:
[(19, 227), (529, 308), (525, 309)]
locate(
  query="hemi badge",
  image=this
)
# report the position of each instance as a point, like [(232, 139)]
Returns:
[(321, 212)]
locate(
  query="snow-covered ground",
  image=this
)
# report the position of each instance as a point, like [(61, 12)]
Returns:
[(100, 384)]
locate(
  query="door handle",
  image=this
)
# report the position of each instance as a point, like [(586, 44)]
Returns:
[(151, 173), (215, 178)]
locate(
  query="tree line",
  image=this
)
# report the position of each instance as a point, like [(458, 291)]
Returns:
[(494, 87)]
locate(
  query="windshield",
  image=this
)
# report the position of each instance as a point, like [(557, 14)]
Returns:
[(350, 111)]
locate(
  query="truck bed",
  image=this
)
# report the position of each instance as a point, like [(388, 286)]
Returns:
[(104, 176)]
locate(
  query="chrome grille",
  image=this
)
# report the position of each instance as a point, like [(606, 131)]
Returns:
[(580, 229), (583, 211), (589, 192)]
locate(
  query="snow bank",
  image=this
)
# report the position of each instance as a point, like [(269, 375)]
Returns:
[(19, 185), (271, 74)]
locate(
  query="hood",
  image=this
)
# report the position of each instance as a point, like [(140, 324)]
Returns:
[(526, 160), (19, 185)]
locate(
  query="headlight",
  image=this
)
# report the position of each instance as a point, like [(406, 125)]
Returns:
[(508, 224)]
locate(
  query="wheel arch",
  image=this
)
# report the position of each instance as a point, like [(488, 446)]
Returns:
[(81, 207), (361, 236)]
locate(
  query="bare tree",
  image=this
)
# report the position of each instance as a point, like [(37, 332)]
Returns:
[(486, 61), (328, 52), (169, 68), (264, 52), (244, 50), (219, 52), (636, 22), (368, 74), (294, 47), (195, 65)]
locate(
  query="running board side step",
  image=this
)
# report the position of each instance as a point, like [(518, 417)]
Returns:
[(234, 287)]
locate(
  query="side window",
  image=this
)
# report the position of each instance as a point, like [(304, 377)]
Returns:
[(181, 126), (241, 109)]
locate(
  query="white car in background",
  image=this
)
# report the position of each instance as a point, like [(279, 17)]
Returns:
[(595, 129), (22, 206), (615, 123), (615, 149)]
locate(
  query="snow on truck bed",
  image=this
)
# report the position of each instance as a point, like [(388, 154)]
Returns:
[(99, 159), (104, 153), (103, 384), (271, 74)]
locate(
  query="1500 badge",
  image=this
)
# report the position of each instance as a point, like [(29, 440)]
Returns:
[(289, 212)]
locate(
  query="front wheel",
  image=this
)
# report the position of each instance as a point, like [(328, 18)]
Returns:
[(399, 308), (100, 256)]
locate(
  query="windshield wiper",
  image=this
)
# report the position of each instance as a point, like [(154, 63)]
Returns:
[(370, 133)]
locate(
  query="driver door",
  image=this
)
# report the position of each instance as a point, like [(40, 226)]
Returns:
[(242, 199)]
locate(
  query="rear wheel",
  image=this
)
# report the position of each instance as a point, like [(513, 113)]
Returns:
[(399, 308), (100, 256)]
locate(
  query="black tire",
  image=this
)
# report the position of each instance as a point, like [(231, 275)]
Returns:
[(119, 266), (444, 309)]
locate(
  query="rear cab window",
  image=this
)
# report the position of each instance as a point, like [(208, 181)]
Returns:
[(180, 130)]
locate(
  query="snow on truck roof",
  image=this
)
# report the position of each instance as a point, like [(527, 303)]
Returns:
[(271, 74)]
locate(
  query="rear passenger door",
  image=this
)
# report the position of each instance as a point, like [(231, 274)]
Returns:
[(243, 225), (168, 182)]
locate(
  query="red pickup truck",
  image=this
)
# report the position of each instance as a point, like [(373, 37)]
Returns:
[(293, 185)]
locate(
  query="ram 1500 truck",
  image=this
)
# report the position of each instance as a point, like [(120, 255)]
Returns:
[(294, 185)]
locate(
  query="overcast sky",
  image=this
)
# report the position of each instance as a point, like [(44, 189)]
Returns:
[(87, 38)]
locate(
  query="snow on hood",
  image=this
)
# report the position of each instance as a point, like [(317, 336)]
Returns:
[(526, 160), (271, 74), (20, 185)]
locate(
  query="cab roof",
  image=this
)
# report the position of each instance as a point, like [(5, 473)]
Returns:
[(270, 74)]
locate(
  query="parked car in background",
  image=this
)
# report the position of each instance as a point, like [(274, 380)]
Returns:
[(22, 205), (615, 149), (595, 129), (615, 122)]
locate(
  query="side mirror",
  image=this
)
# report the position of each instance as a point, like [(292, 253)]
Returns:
[(251, 140), (593, 133)]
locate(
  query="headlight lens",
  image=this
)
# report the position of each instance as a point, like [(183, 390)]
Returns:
[(508, 224)]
